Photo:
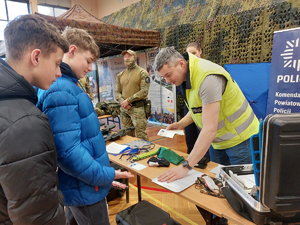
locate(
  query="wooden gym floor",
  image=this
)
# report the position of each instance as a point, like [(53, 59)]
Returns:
[(179, 209)]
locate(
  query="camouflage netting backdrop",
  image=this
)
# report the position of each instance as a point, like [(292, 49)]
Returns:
[(230, 31)]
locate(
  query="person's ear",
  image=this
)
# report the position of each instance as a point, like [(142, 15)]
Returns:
[(35, 57), (181, 62), (72, 51)]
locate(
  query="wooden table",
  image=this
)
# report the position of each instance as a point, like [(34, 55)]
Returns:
[(206, 204), (109, 118)]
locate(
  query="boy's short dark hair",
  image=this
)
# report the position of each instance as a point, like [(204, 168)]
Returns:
[(32, 31), (81, 39)]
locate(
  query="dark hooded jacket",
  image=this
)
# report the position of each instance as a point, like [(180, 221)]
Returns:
[(28, 179)]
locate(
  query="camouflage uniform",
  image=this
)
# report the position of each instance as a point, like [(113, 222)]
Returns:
[(85, 83), (133, 84)]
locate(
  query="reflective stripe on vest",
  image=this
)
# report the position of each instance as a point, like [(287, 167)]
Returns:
[(235, 115), (239, 129)]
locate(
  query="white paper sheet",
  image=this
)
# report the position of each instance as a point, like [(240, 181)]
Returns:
[(181, 184), (169, 133), (137, 166)]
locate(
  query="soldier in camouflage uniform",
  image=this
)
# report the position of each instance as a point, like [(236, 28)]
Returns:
[(132, 89)]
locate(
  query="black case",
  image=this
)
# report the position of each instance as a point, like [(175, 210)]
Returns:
[(280, 163), (144, 213), (279, 195)]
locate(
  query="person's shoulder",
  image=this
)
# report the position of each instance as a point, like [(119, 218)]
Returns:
[(19, 109), (120, 74), (64, 87), (143, 71)]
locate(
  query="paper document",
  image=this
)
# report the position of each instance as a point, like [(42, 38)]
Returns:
[(115, 149), (169, 133), (181, 184), (137, 166)]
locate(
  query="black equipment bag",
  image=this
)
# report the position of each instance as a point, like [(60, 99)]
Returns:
[(144, 213)]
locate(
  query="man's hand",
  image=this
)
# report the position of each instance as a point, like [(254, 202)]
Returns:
[(125, 104), (124, 174), (128, 107), (173, 174), (175, 126)]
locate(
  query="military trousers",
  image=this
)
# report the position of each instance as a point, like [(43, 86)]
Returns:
[(135, 117)]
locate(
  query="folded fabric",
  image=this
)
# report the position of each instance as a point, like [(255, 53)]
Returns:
[(169, 155), (159, 162)]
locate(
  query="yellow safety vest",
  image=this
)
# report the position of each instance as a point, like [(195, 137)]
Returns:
[(237, 121)]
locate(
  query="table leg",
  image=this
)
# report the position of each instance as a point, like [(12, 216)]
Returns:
[(127, 191), (139, 187), (207, 216)]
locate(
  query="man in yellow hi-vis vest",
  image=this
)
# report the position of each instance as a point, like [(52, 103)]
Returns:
[(216, 104)]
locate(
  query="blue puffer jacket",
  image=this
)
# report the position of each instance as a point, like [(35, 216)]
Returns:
[(84, 173)]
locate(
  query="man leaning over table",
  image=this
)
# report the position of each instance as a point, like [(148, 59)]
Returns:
[(216, 104)]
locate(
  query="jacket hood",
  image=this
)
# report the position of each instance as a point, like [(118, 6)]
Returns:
[(66, 70), (13, 85)]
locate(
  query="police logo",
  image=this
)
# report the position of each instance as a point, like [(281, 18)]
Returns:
[(197, 110), (147, 80)]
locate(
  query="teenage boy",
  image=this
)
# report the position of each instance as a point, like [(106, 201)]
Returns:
[(84, 173), (28, 178)]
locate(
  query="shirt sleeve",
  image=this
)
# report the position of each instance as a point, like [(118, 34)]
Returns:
[(119, 96), (212, 89)]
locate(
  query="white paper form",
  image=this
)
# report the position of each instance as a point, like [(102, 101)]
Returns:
[(180, 184), (169, 133)]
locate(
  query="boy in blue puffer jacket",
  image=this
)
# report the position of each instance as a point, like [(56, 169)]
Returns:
[(85, 176)]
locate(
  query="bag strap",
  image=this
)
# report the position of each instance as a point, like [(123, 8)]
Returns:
[(236, 205)]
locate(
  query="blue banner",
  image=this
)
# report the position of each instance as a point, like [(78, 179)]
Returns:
[(284, 90), (254, 80)]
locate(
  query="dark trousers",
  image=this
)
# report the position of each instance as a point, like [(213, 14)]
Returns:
[(96, 214)]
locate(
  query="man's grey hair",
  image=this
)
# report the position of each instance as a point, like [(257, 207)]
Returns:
[(167, 56)]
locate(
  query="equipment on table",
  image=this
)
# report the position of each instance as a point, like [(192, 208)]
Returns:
[(110, 136), (202, 164), (158, 162), (279, 177), (108, 108), (169, 155), (145, 155), (107, 128), (132, 152), (144, 213)]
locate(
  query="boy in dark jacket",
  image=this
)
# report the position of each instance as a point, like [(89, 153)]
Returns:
[(85, 176), (28, 178)]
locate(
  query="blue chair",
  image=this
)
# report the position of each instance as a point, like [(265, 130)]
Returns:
[(255, 145)]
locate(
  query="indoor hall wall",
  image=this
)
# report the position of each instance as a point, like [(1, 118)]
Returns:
[(107, 7)]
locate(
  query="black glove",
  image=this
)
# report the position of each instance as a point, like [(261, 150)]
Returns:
[(159, 162)]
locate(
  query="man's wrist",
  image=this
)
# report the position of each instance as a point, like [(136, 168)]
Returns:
[(185, 164)]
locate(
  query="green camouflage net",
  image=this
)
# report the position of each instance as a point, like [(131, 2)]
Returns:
[(229, 31)]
